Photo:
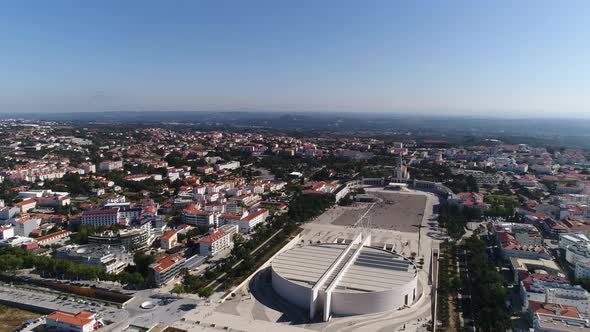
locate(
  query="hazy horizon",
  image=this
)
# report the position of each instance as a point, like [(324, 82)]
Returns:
[(452, 58), (386, 114)]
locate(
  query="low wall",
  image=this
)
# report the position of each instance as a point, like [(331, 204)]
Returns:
[(95, 293), (28, 307)]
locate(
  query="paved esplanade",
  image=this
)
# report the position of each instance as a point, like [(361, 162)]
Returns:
[(344, 279)]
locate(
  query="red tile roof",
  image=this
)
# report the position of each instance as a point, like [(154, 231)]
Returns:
[(167, 262), (62, 233), (528, 278), (26, 202), (80, 319), (167, 235), (554, 309), (104, 212), (191, 209), (215, 236)]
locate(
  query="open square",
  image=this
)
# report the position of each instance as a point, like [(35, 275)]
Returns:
[(393, 211)]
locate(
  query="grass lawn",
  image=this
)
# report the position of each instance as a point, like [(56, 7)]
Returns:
[(11, 318)]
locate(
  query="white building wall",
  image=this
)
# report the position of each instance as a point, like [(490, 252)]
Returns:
[(344, 303), (366, 303), (294, 293)]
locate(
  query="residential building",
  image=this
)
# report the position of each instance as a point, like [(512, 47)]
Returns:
[(519, 240), (165, 269), (246, 221), (553, 289), (110, 165), (576, 246), (100, 218), (230, 165), (582, 269), (169, 239), (193, 216), (217, 240), (26, 204), (6, 231), (7, 212), (53, 237), (83, 321), (466, 199), (547, 317), (25, 225)]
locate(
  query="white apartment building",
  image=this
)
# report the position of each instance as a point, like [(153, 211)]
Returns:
[(26, 205), (217, 240), (109, 165), (87, 168), (169, 239), (193, 216), (576, 246), (24, 226), (6, 231), (7, 212), (247, 221), (230, 165), (555, 293), (100, 218), (166, 269)]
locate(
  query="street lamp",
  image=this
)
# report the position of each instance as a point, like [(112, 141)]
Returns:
[(419, 226)]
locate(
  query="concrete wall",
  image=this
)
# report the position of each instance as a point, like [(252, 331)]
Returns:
[(294, 293), (346, 303), (28, 307)]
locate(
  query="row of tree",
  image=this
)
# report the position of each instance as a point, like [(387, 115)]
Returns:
[(453, 218), (15, 258), (500, 205), (487, 288), (449, 283)]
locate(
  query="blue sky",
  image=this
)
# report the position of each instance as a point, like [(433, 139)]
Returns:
[(422, 57)]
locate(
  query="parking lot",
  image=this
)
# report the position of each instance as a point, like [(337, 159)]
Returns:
[(47, 301)]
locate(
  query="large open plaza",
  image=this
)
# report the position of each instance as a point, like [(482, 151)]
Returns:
[(392, 210)]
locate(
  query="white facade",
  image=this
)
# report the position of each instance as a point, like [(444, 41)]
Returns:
[(100, 218), (83, 321), (6, 232), (344, 280), (199, 217), (230, 165), (7, 212), (110, 165), (247, 222), (556, 293), (24, 226), (576, 246), (220, 239)]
